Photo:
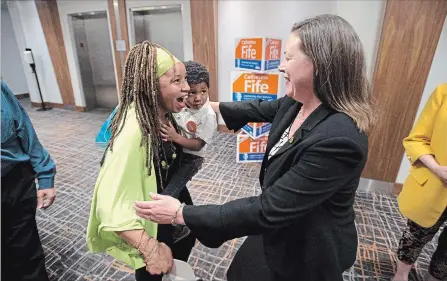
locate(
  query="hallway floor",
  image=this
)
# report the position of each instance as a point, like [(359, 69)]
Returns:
[(69, 137)]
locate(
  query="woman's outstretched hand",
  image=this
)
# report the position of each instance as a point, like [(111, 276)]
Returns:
[(161, 209)]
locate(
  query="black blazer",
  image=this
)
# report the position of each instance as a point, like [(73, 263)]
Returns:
[(305, 212)]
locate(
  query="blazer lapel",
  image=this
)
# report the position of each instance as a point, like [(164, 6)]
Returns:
[(318, 115), (278, 129)]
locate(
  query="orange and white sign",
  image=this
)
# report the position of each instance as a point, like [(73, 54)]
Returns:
[(250, 86), (248, 54), (272, 53), (250, 150), (256, 130), (258, 54)]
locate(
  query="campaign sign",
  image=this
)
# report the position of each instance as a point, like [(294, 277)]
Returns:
[(250, 86), (257, 54), (272, 52), (248, 53), (250, 150), (256, 130)]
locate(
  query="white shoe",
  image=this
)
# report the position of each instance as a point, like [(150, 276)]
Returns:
[(181, 271)]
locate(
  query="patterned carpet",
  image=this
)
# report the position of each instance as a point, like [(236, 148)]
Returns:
[(69, 137)]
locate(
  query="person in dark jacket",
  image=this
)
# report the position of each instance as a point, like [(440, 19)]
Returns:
[(23, 160), (301, 227)]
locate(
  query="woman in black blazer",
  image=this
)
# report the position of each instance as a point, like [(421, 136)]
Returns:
[(302, 225)]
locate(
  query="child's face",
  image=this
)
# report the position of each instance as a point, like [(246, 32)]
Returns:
[(197, 96)]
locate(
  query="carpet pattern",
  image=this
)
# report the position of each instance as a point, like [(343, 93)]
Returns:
[(69, 137)]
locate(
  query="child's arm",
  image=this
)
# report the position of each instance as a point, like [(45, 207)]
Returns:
[(215, 106), (168, 133)]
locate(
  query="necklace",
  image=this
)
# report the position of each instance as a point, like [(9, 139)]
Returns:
[(165, 163), (299, 116), (299, 119)]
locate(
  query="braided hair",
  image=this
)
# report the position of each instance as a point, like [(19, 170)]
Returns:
[(141, 86)]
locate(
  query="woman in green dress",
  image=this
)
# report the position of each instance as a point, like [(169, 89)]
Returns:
[(138, 162)]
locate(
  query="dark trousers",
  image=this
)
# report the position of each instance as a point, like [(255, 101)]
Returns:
[(413, 240), (190, 164), (180, 250), (22, 254)]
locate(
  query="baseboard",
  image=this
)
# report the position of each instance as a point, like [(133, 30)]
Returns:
[(60, 105), (47, 104), (397, 188), (22, 96), (81, 109)]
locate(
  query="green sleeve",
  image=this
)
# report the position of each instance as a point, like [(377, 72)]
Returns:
[(122, 180)]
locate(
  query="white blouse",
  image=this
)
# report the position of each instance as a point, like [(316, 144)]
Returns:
[(284, 138)]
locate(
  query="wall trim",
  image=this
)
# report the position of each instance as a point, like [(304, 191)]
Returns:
[(51, 25), (60, 106), (424, 20), (22, 96), (204, 39), (116, 54), (124, 28), (397, 188)]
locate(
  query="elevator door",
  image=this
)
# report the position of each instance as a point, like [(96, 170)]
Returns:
[(94, 53), (162, 25)]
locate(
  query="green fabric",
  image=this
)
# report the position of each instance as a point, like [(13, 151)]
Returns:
[(122, 180), (165, 61)]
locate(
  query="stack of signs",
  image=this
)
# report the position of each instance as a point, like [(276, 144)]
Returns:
[(257, 54), (252, 141)]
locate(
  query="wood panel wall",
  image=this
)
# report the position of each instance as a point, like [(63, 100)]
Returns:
[(122, 15), (123, 24), (204, 39), (409, 38), (116, 54), (51, 25)]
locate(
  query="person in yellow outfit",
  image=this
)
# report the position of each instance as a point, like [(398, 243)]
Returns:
[(423, 199), (138, 162)]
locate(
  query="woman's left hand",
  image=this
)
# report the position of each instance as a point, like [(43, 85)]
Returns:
[(168, 132), (161, 209)]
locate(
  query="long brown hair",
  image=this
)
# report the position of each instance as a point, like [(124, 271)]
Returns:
[(340, 80), (141, 86)]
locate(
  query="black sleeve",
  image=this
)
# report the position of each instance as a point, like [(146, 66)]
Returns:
[(320, 172), (237, 114)]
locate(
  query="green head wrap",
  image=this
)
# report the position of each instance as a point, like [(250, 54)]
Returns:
[(165, 61)]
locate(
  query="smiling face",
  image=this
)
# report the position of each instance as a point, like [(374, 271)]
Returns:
[(174, 88), (297, 68)]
